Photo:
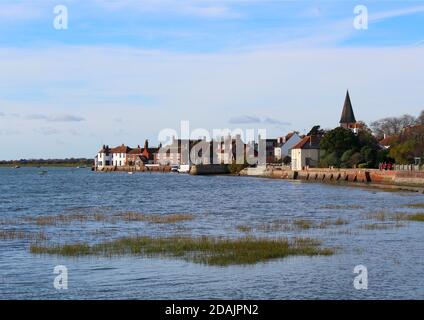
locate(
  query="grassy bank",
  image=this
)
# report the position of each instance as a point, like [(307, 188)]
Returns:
[(204, 250)]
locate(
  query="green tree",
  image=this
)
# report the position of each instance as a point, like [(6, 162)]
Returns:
[(339, 140), (330, 159), (351, 149), (404, 153)]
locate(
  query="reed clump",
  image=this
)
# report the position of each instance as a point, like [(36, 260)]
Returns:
[(244, 228), (54, 220), (396, 216), (341, 206), (301, 224), (205, 250), (416, 217), (21, 235), (155, 218), (415, 205)]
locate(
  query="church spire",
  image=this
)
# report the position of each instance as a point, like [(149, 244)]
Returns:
[(348, 117)]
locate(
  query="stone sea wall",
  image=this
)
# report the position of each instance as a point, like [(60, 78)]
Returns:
[(392, 178)]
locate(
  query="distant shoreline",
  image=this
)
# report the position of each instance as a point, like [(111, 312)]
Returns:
[(44, 166), (80, 162)]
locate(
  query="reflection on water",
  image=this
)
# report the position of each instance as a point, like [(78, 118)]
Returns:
[(392, 250)]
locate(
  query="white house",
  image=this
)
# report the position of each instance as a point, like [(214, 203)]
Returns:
[(306, 153), (104, 157), (285, 145)]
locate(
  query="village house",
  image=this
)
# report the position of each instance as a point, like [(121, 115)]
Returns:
[(270, 145), (176, 153), (119, 155), (285, 144), (200, 151), (226, 149), (141, 156), (123, 155), (306, 153), (104, 157)]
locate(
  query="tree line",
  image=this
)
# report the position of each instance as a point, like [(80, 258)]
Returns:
[(405, 137)]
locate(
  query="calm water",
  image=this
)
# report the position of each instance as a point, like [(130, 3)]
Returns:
[(394, 256)]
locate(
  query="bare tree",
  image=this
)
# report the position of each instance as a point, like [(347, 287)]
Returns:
[(420, 119), (392, 126)]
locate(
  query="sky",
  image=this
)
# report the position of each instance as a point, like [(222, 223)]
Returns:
[(124, 70)]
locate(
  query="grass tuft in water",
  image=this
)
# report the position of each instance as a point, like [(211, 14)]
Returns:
[(59, 219), (341, 206), (380, 226), (396, 216), (155, 218), (204, 250), (244, 228), (21, 235), (415, 205), (416, 217)]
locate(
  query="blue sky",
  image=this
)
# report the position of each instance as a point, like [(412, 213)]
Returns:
[(124, 70)]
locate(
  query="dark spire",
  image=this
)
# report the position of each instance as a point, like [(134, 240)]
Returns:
[(347, 113)]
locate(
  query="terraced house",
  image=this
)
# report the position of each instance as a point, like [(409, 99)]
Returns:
[(123, 155)]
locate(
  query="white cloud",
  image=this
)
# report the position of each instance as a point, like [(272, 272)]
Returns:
[(55, 117), (244, 120), (204, 9), (383, 15), (19, 11)]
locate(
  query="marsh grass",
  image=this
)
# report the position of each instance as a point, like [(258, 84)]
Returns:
[(419, 217), (415, 205), (60, 219), (395, 216), (244, 228), (380, 226), (204, 250), (21, 235), (155, 218), (275, 226), (303, 224), (341, 206), (329, 222), (300, 224)]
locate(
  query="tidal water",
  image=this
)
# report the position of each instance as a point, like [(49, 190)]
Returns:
[(393, 254)]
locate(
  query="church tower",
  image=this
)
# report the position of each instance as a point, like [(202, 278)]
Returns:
[(347, 120)]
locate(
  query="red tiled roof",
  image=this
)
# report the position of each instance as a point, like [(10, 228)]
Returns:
[(135, 151), (121, 149), (388, 141), (308, 142), (289, 135)]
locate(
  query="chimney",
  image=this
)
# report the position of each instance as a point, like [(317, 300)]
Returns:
[(146, 144)]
